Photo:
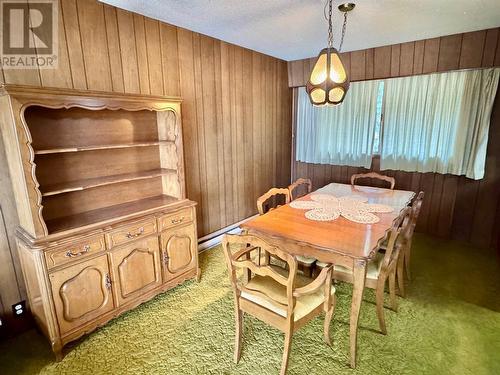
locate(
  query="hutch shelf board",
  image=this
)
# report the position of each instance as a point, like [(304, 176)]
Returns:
[(99, 186)]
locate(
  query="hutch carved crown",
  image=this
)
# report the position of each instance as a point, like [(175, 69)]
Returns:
[(99, 187)]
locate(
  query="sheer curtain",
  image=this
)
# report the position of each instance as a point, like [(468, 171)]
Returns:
[(340, 135), (438, 122)]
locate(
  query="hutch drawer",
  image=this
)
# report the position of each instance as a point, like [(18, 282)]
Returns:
[(131, 232), (177, 218), (66, 254)]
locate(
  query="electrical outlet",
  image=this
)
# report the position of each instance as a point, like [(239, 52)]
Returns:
[(19, 309)]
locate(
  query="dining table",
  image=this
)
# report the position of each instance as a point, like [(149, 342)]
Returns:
[(339, 241)]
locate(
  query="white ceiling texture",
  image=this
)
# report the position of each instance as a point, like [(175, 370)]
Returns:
[(295, 29)]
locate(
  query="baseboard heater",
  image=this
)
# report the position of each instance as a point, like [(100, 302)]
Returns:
[(213, 239)]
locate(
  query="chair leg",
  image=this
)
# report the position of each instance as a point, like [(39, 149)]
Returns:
[(407, 264), (328, 321), (286, 350), (380, 307), (392, 290), (238, 335), (400, 274)]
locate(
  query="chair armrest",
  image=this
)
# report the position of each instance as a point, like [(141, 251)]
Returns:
[(317, 283), (246, 250)]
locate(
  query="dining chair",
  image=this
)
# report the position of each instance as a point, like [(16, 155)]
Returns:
[(269, 201), (282, 299), (404, 256), (375, 175), (299, 188), (381, 268)]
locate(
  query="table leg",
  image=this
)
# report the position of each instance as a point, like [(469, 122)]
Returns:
[(359, 276)]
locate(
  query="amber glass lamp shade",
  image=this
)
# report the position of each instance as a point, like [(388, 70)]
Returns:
[(328, 83)]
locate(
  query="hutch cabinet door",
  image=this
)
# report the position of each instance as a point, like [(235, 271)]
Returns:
[(179, 249), (81, 292), (136, 268)]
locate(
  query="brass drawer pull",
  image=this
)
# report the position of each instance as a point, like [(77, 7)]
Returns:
[(130, 235), (107, 282), (85, 250), (166, 258), (177, 221)]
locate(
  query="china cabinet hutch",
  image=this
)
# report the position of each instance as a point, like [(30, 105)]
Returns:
[(99, 187)]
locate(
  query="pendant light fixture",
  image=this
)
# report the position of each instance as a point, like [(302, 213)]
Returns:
[(328, 83)]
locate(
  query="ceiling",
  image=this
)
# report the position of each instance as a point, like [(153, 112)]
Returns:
[(295, 29)]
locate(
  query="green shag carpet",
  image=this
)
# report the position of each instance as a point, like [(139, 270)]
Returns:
[(448, 324)]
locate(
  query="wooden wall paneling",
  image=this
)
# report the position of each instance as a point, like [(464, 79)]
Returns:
[(208, 131), (273, 120), (471, 54), (113, 42), (142, 53), (279, 144), (74, 43), (20, 76), (247, 131), (153, 48), (406, 59), (497, 53), (60, 77), (437, 195), (431, 55), (170, 59), (94, 46), (234, 143), (306, 71), (483, 228), (358, 65), (287, 108), (128, 51), (426, 185), (382, 62), (240, 146), (200, 118), (219, 133), (490, 46), (418, 57), (447, 206), (227, 131), (449, 52), (269, 117), (189, 121), (395, 59), (297, 69), (285, 138), (465, 201), (369, 63)]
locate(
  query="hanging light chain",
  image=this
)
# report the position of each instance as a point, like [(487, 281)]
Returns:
[(330, 28), (343, 31)]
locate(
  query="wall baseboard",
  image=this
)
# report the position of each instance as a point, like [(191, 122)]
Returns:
[(214, 239)]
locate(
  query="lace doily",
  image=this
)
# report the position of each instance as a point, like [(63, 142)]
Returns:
[(322, 214), (327, 207)]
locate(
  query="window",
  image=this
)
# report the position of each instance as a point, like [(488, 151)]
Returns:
[(427, 123)]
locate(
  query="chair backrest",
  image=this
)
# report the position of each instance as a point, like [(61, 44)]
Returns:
[(237, 251), (300, 188), (417, 206), (375, 175), (398, 237), (415, 212), (269, 200)]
